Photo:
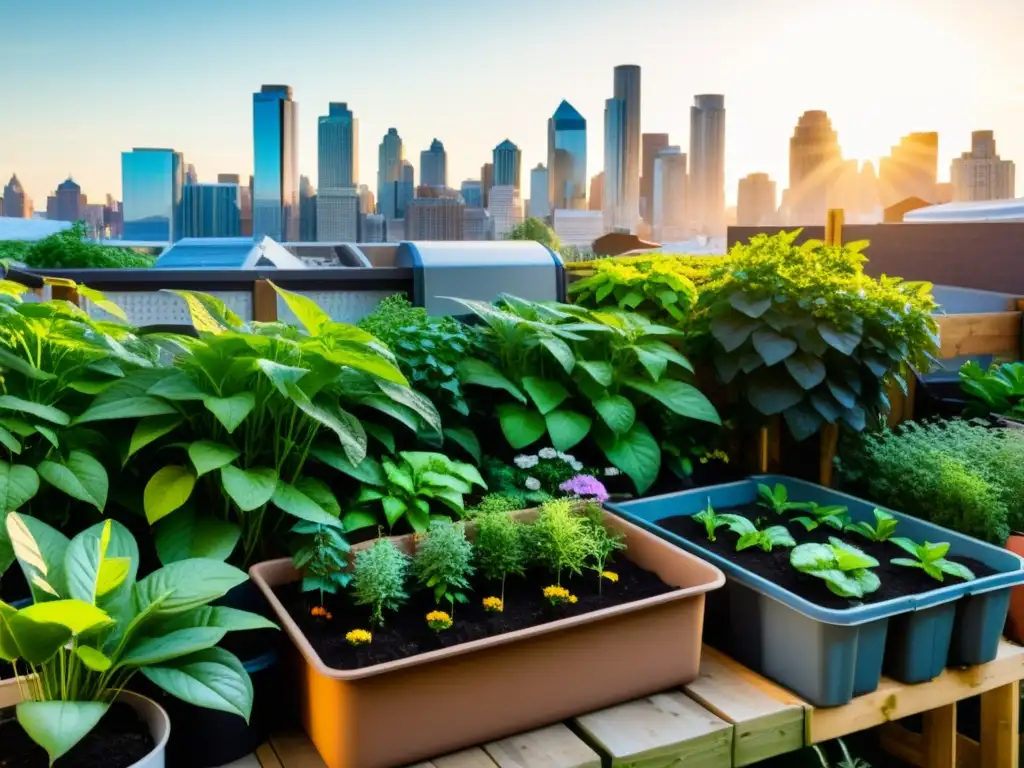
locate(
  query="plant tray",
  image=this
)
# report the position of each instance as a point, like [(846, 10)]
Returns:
[(412, 709), (828, 656)]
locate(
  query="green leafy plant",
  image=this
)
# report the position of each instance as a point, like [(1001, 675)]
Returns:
[(70, 249), (847, 761), (500, 546), (845, 569), (322, 558), (496, 502), (882, 530), (998, 391), (833, 515), (93, 626), (378, 579), (443, 562), (410, 488), (569, 374), (777, 499), (751, 536), (710, 520), (560, 538), (536, 230), (604, 542), (930, 558), (659, 289)]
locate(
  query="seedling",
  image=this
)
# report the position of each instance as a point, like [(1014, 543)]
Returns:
[(833, 516), (710, 520), (843, 567), (930, 558), (777, 499), (750, 536), (882, 530)]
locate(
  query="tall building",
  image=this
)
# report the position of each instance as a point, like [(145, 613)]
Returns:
[(597, 192), (507, 165), (367, 201), (815, 162), (486, 181), (244, 200), (622, 151), (17, 205), (372, 228), (670, 218), (578, 228), (211, 210), (434, 166), (539, 206), (275, 197), (981, 174), (68, 202), (390, 157), (756, 201), (337, 216), (308, 201), (506, 209), (707, 163), (337, 199), (472, 192), (151, 184), (191, 177), (651, 144), (567, 159), (910, 170), (476, 224), (436, 213)]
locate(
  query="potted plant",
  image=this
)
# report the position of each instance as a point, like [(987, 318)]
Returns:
[(93, 626), (584, 609)]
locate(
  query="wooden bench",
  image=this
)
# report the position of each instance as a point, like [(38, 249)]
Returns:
[(731, 717)]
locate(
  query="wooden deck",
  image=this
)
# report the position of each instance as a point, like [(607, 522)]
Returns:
[(731, 717)]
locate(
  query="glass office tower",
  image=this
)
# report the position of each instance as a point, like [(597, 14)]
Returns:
[(567, 159), (151, 184), (211, 210), (275, 195), (507, 161)]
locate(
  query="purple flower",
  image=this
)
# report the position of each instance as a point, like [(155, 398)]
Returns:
[(585, 486)]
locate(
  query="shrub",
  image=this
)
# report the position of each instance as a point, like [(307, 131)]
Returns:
[(497, 502), (658, 289), (378, 580), (500, 547), (69, 250), (444, 562), (561, 538)]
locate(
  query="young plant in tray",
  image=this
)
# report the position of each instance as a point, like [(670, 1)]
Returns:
[(833, 515), (378, 579), (322, 557), (882, 530), (845, 569), (711, 520), (604, 543), (560, 538), (443, 562), (500, 547), (777, 499), (930, 558), (93, 626), (751, 536)]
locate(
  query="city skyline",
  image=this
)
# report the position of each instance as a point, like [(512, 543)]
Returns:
[(208, 119)]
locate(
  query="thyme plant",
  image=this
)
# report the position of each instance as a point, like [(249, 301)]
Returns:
[(444, 562), (378, 579), (561, 538), (500, 547)]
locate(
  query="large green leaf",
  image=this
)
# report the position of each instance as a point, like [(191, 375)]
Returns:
[(31, 642), (222, 616), (845, 396), (207, 455), (100, 559), (308, 312), (249, 488), (45, 412), (366, 471), (400, 413), (213, 679), (567, 428), (76, 615), (26, 369), (280, 375), (80, 476), (127, 408), (185, 585), (546, 394), (679, 397), (521, 426), (771, 346), (473, 371), (600, 371), (466, 439), (732, 329), (561, 351), (844, 341), (367, 360), (320, 492), (179, 387), (231, 411), (772, 391), (802, 420), (150, 429), (636, 453), (167, 490), (666, 351), (807, 370), (9, 441), (297, 504), (40, 550), (347, 427), (749, 305), (653, 363), (186, 534), (18, 484), (172, 645), (57, 726), (617, 412), (418, 403)]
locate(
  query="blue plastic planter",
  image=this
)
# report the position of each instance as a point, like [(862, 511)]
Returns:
[(828, 656)]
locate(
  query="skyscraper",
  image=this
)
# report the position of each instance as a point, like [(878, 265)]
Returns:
[(275, 197), (981, 174), (308, 200), (434, 166), (756, 201), (622, 151), (337, 200), (815, 162), (707, 163), (436, 213), (567, 159), (389, 172), (151, 182), (486, 181), (910, 170), (651, 144), (367, 200), (507, 165), (472, 193), (69, 202), (597, 192), (539, 188), (506, 209), (670, 220), (17, 205), (191, 177), (211, 210)]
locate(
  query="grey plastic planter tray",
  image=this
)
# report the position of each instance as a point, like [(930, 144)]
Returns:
[(828, 656)]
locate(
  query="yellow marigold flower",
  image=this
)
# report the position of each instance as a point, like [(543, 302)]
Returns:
[(612, 576), (493, 605), (573, 599), (558, 595), (358, 637), (439, 621)]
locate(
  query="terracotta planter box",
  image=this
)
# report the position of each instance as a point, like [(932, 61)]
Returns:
[(412, 709)]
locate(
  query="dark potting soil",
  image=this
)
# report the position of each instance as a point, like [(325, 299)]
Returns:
[(119, 740), (897, 581), (405, 632)]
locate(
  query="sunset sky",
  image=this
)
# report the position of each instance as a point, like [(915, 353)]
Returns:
[(85, 81)]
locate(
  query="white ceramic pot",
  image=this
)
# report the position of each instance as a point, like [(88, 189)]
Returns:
[(151, 712)]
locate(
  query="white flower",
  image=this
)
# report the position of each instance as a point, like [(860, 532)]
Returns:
[(547, 453), (568, 459), (526, 461), (576, 465), (861, 294), (611, 472), (532, 484)]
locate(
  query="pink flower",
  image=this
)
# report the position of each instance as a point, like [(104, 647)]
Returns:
[(585, 486)]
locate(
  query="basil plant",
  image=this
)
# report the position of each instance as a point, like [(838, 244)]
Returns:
[(93, 626)]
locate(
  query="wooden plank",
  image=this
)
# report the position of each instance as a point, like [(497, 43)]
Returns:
[(552, 747), (986, 333), (295, 750), (250, 761), (767, 720), (658, 731), (826, 459), (264, 302), (268, 757), (940, 736), (893, 701), (909, 746), (769, 447), (467, 758), (1000, 712)]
